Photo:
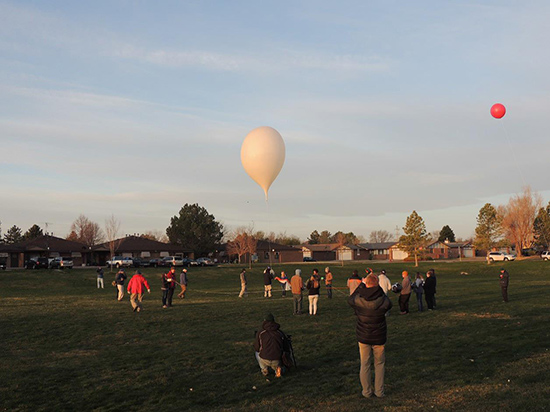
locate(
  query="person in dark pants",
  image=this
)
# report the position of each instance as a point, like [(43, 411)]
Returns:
[(435, 284), (168, 287), (370, 304), (297, 286), (405, 294), (429, 290), (328, 282), (504, 280)]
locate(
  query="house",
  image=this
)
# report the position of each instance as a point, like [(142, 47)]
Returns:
[(377, 251), (450, 250), (15, 255), (320, 251), (136, 246), (396, 253)]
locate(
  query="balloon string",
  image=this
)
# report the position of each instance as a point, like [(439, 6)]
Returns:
[(513, 153), (268, 233)]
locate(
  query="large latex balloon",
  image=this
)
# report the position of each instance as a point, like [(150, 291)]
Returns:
[(498, 111), (263, 155)]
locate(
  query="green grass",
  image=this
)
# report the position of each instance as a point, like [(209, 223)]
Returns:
[(68, 346)]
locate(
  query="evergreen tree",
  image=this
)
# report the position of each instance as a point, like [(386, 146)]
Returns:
[(33, 232), (542, 227), (313, 238), (196, 229), (446, 233), (13, 235), (488, 230), (415, 237)]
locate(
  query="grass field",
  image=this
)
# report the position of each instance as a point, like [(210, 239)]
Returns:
[(68, 346)]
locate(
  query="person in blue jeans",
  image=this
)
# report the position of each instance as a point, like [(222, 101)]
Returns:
[(418, 286)]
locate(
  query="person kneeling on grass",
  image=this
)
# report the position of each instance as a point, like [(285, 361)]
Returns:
[(269, 346), (136, 288)]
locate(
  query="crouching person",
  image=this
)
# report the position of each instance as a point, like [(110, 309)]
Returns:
[(269, 346)]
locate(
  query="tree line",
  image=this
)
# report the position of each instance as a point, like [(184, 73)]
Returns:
[(522, 223)]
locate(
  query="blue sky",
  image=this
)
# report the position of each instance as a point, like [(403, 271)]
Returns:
[(135, 108)]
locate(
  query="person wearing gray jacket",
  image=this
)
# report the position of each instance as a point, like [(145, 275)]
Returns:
[(405, 294)]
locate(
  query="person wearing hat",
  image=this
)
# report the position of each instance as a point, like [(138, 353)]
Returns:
[(371, 304), (405, 293), (353, 281), (183, 283), (119, 282), (269, 345), (136, 288), (384, 282), (504, 280)]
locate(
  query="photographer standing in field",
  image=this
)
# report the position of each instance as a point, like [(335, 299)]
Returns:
[(504, 280), (370, 304)]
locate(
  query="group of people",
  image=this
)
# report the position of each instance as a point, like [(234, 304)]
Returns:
[(138, 284), (295, 285)]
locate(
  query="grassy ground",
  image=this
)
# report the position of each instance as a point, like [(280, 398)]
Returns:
[(68, 346)]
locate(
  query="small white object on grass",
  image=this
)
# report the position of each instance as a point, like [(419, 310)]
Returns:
[(191, 389), (254, 387)]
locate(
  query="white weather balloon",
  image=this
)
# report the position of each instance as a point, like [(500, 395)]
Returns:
[(263, 156)]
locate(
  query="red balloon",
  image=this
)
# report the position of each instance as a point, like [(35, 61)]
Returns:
[(498, 111)]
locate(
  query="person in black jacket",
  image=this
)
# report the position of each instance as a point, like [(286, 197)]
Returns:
[(268, 277), (119, 281), (168, 287), (269, 345), (504, 280), (429, 290), (371, 304)]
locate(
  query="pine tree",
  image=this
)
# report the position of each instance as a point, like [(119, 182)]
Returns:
[(542, 227), (33, 232), (13, 235), (446, 233), (415, 237), (488, 230)]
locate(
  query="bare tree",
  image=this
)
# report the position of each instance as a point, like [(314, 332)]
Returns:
[(86, 231), (243, 242), (341, 239), (112, 227), (380, 236), (157, 235), (518, 218)]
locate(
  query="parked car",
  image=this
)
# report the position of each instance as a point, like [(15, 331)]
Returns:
[(187, 262), (155, 262), (545, 255), (172, 261), (140, 263), (193, 262), (37, 263), (309, 259), (119, 261), (2, 266), (62, 263), (204, 262), (500, 256)]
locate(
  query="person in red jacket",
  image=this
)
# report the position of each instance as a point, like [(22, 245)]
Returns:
[(168, 286), (136, 289)]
